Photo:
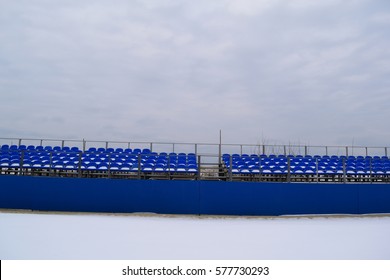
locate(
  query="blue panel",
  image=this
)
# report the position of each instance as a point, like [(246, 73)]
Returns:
[(98, 195), (239, 198), (374, 198), (319, 198), (191, 197)]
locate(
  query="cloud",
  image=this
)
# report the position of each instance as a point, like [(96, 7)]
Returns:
[(182, 70)]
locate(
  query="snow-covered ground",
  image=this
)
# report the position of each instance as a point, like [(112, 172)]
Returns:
[(98, 236)]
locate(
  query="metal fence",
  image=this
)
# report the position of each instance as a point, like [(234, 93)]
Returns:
[(208, 157)]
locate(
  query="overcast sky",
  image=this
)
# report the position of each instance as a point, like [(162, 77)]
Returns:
[(302, 71)]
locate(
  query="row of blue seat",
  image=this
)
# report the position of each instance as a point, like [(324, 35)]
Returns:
[(117, 160), (307, 165)]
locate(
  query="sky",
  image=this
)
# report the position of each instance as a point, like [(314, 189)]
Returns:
[(262, 71), (160, 237)]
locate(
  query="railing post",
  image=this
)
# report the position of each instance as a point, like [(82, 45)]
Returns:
[(371, 170), (84, 144), (344, 172), (199, 167), (231, 168), (196, 149), (288, 169), (386, 151), (317, 175), (109, 165), (284, 150), (20, 142), (263, 149), (366, 151), (346, 151), (139, 166), (106, 145), (21, 163), (305, 150), (151, 146), (326, 150), (80, 162), (62, 143)]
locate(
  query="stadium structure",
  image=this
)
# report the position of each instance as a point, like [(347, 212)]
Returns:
[(193, 178)]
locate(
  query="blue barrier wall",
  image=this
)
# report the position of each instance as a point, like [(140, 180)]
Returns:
[(191, 197)]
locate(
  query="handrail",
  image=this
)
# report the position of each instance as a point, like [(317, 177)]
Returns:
[(216, 148)]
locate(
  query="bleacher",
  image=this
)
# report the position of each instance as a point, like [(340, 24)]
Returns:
[(200, 162), (96, 162), (307, 168)]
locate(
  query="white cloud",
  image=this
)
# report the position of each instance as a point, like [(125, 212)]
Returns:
[(244, 66)]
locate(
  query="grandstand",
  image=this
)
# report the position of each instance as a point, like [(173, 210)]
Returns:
[(196, 161)]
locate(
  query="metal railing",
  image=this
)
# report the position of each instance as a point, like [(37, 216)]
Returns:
[(208, 155), (207, 148)]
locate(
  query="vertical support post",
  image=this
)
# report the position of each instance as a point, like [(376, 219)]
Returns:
[(344, 172), (317, 175), (260, 170), (21, 163), (220, 148), (371, 170), (199, 167), (62, 143), (231, 168), (366, 151), (241, 150), (263, 149), (386, 151), (173, 147), (305, 150), (80, 162), (50, 163), (346, 151), (284, 150), (196, 149), (84, 144), (151, 146), (20, 142), (139, 166), (288, 169), (41, 142), (109, 165), (326, 150), (106, 145)]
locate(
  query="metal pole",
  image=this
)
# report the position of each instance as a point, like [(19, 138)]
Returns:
[(288, 170), (344, 172), (139, 166), (231, 168), (220, 148), (198, 168)]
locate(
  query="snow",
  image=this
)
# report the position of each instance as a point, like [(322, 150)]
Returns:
[(108, 236)]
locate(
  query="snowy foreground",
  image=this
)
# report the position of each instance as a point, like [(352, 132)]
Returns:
[(98, 236)]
